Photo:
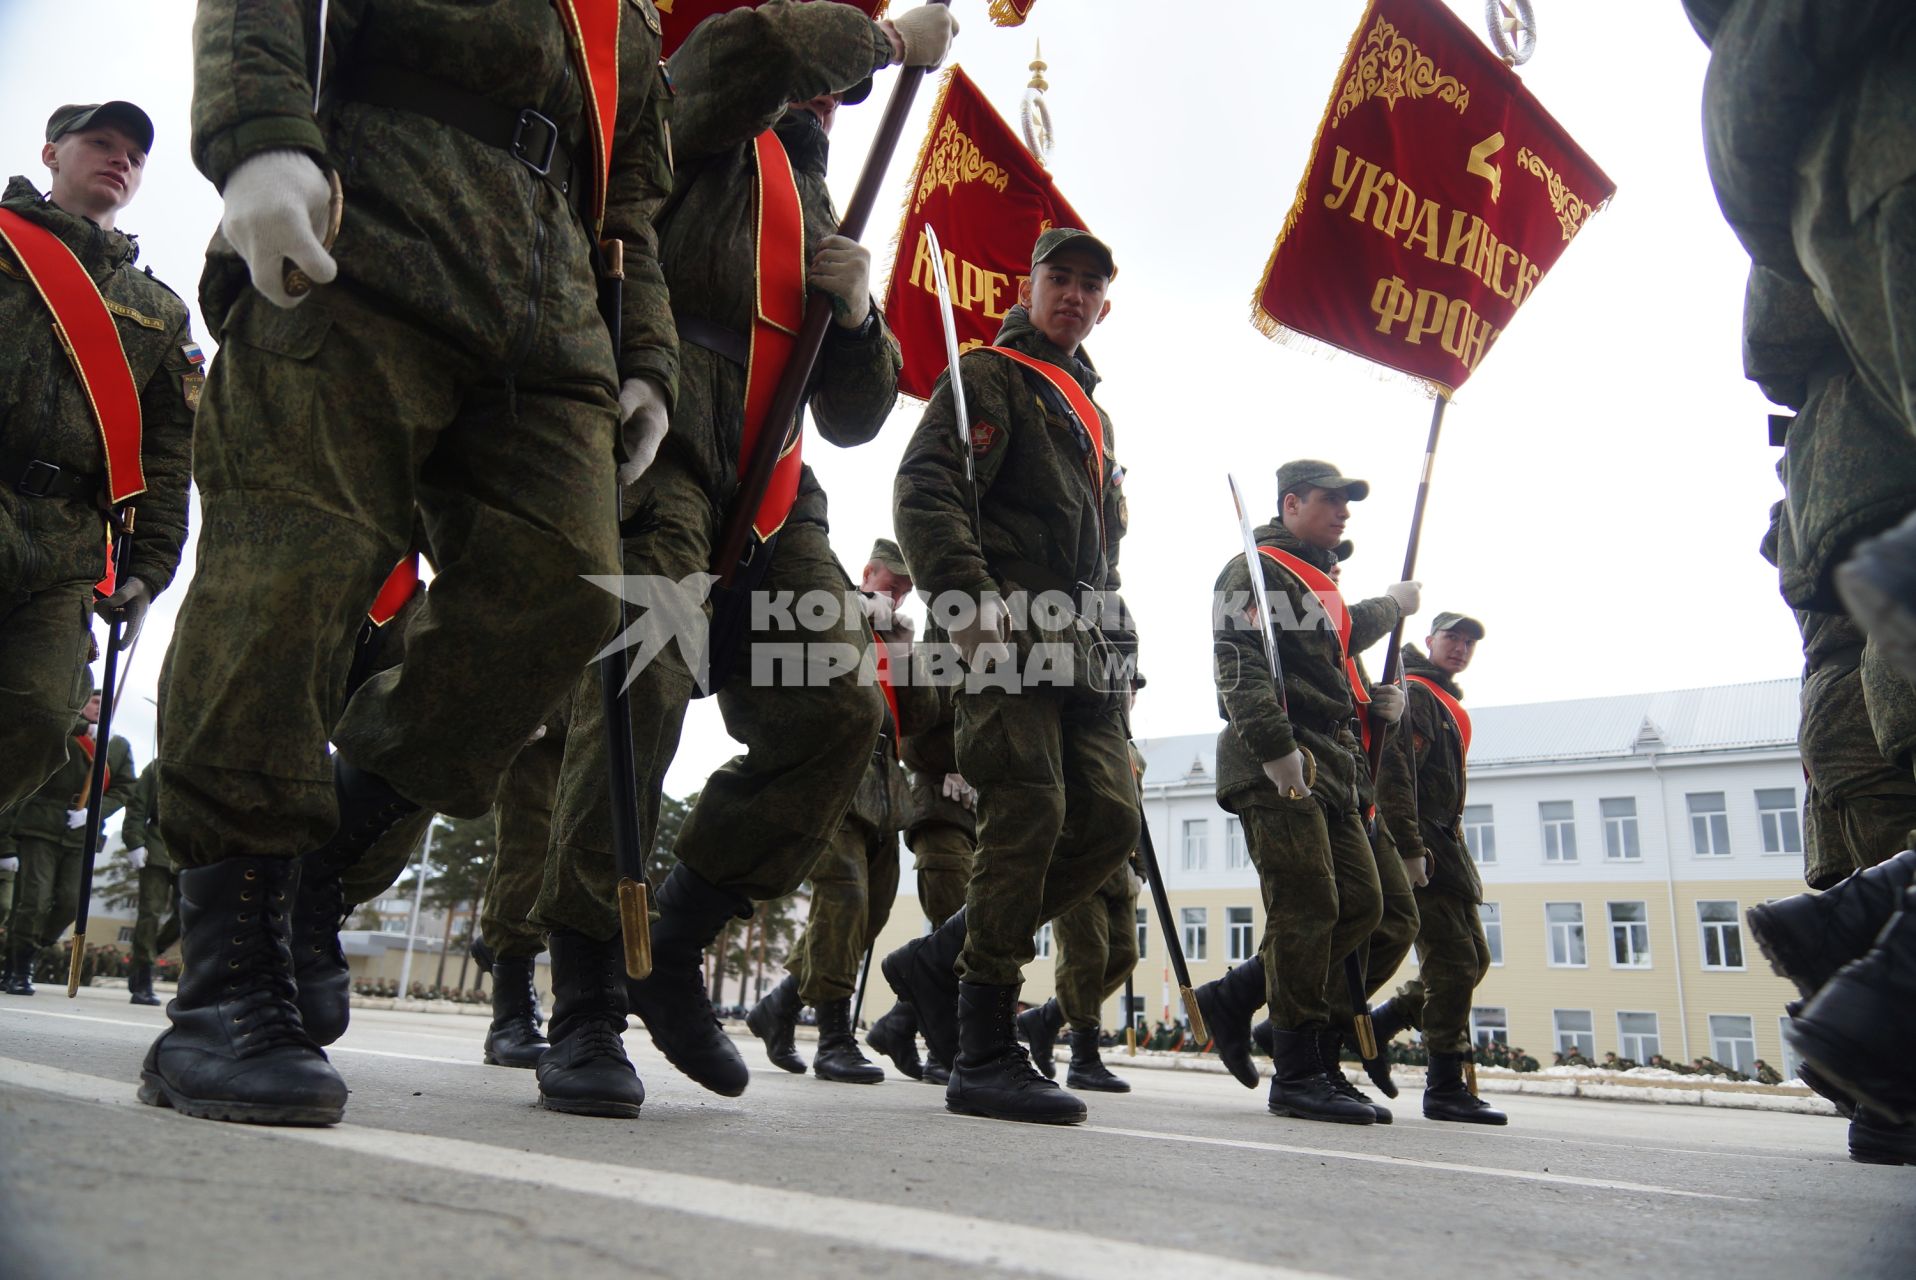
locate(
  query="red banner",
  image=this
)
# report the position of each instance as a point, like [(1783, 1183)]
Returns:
[(988, 198), (1438, 194), (678, 17), (1010, 13)]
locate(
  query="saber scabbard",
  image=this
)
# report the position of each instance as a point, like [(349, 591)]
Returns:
[(296, 282), (1148, 854), (96, 778), (635, 927)]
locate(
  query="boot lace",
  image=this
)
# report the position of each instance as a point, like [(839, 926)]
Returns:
[(259, 992)]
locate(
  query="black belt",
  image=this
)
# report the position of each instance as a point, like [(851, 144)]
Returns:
[(716, 338), (527, 135), (37, 479)]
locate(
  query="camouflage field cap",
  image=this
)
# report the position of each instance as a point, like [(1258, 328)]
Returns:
[(1343, 550), (1309, 472), (886, 552), (76, 116), (1055, 241), (1462, 624), (856, 94)]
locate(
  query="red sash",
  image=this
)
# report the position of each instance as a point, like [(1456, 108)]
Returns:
[(1319, 584), (398, 588), (106, 775), (592, 29), (882, 665), (92, 341), (776, 320), (1081, 405), (1458, 715)]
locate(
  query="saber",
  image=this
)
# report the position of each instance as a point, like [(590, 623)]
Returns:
[(1148, 854), (102, 747), (951, 368), (864, 980)]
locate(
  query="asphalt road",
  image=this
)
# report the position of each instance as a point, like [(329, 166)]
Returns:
[(447, 1167)]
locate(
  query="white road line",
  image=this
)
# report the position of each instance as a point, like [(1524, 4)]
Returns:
[(1444, 1166), (331, 1049), (949, 1237)]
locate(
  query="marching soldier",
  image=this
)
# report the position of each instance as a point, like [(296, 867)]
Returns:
[(99, 378), (757, 91), (47, 832), (1040, 725), (446, 360), (855, 880), (1291, 768), (158, 880)]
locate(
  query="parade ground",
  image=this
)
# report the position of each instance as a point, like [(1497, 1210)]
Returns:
[(447, 1167)]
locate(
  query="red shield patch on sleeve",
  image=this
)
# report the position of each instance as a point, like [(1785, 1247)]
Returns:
[(983, 436)]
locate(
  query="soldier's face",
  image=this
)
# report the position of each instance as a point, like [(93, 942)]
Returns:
[(880, 581), (1318, 516), (824, 106), (1065, 297), (96, 171), (1451, 650), (91, 711)]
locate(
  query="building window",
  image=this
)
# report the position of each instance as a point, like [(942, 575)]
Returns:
[(1487, 1025), (1629, 935), (1722, 935), (1480, 832), (1566, 934), (1237, 855), (1620, 829), (1709, 824), (1782, 822), (1733, 1042), (1637, 1037), (1197, 835), (1492, 916), (1575, 1033), (1042, 942), (1144, 928), (1197, 929), (1237, 929), (1792, 1068), (1559, 831), (126, 933)]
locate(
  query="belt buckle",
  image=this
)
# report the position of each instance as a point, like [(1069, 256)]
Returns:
[(38, 479), (542, 165)]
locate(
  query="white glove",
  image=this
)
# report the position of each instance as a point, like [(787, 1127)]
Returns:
[(76, 818), (926, 33), (877, 608), (136, 858), (129, 601), (1408, 595), (535, 735), (1418, 869), (275, 211), (1387, 702), (643, 425), (9, 864), (956, 788), (984, 643), (1287, 773), (842, 267)]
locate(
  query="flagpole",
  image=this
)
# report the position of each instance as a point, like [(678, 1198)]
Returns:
[(1393, 659)]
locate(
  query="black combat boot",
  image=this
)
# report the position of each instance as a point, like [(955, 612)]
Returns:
[(925, 972), (1226, 1005), (236, 1049), (139, 985), (1329, 1043), (1301, 1089), (992, 1075), (838, 1058), (1447, 1094), (1038, 1028), (1808, 937), (936, 1072), (775, 1021), (586, 1072), (1087, 1068), (515, 1038), (368, 809), (1814, 1079), (672, 1002), (1876, 1140), (1858, 1030), (1878, 584), (896, 1036), (21, 956)]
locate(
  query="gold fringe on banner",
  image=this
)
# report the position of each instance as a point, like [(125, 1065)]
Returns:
[(1010, 13), (917, 167)]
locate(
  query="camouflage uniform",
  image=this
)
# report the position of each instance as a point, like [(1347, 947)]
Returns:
[(159, 880), (457, 369), (1318, 873), (52, 549), (1057, 804), (940, 832), (764, 818), (854, 883), (1098, 941), (47, 896)]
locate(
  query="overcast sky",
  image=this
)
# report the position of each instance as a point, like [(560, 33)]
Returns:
[(1603, 479)]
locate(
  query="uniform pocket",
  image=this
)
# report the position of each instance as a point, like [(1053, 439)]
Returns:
[(257, 421)]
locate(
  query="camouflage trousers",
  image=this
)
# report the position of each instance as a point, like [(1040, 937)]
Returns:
[(323, 434), (1318, 876), (1867, 824), (853, 886), (941, 856), (47, 891), (1453, 956), (159, 901), (763, 818), (1863, 269), (1097, 949), (44, 680), (1383, 953), (522, 818), (1057, 814)]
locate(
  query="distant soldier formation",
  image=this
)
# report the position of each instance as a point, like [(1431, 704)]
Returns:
[(530, 320)]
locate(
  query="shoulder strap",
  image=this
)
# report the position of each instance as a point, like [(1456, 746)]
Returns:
[(1458, 715), (592, 29), (1319, 584), (778, 315), (1079, 403)]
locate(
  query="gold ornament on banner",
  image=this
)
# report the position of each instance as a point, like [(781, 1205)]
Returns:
[(1513, 30), (1390, 67)]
